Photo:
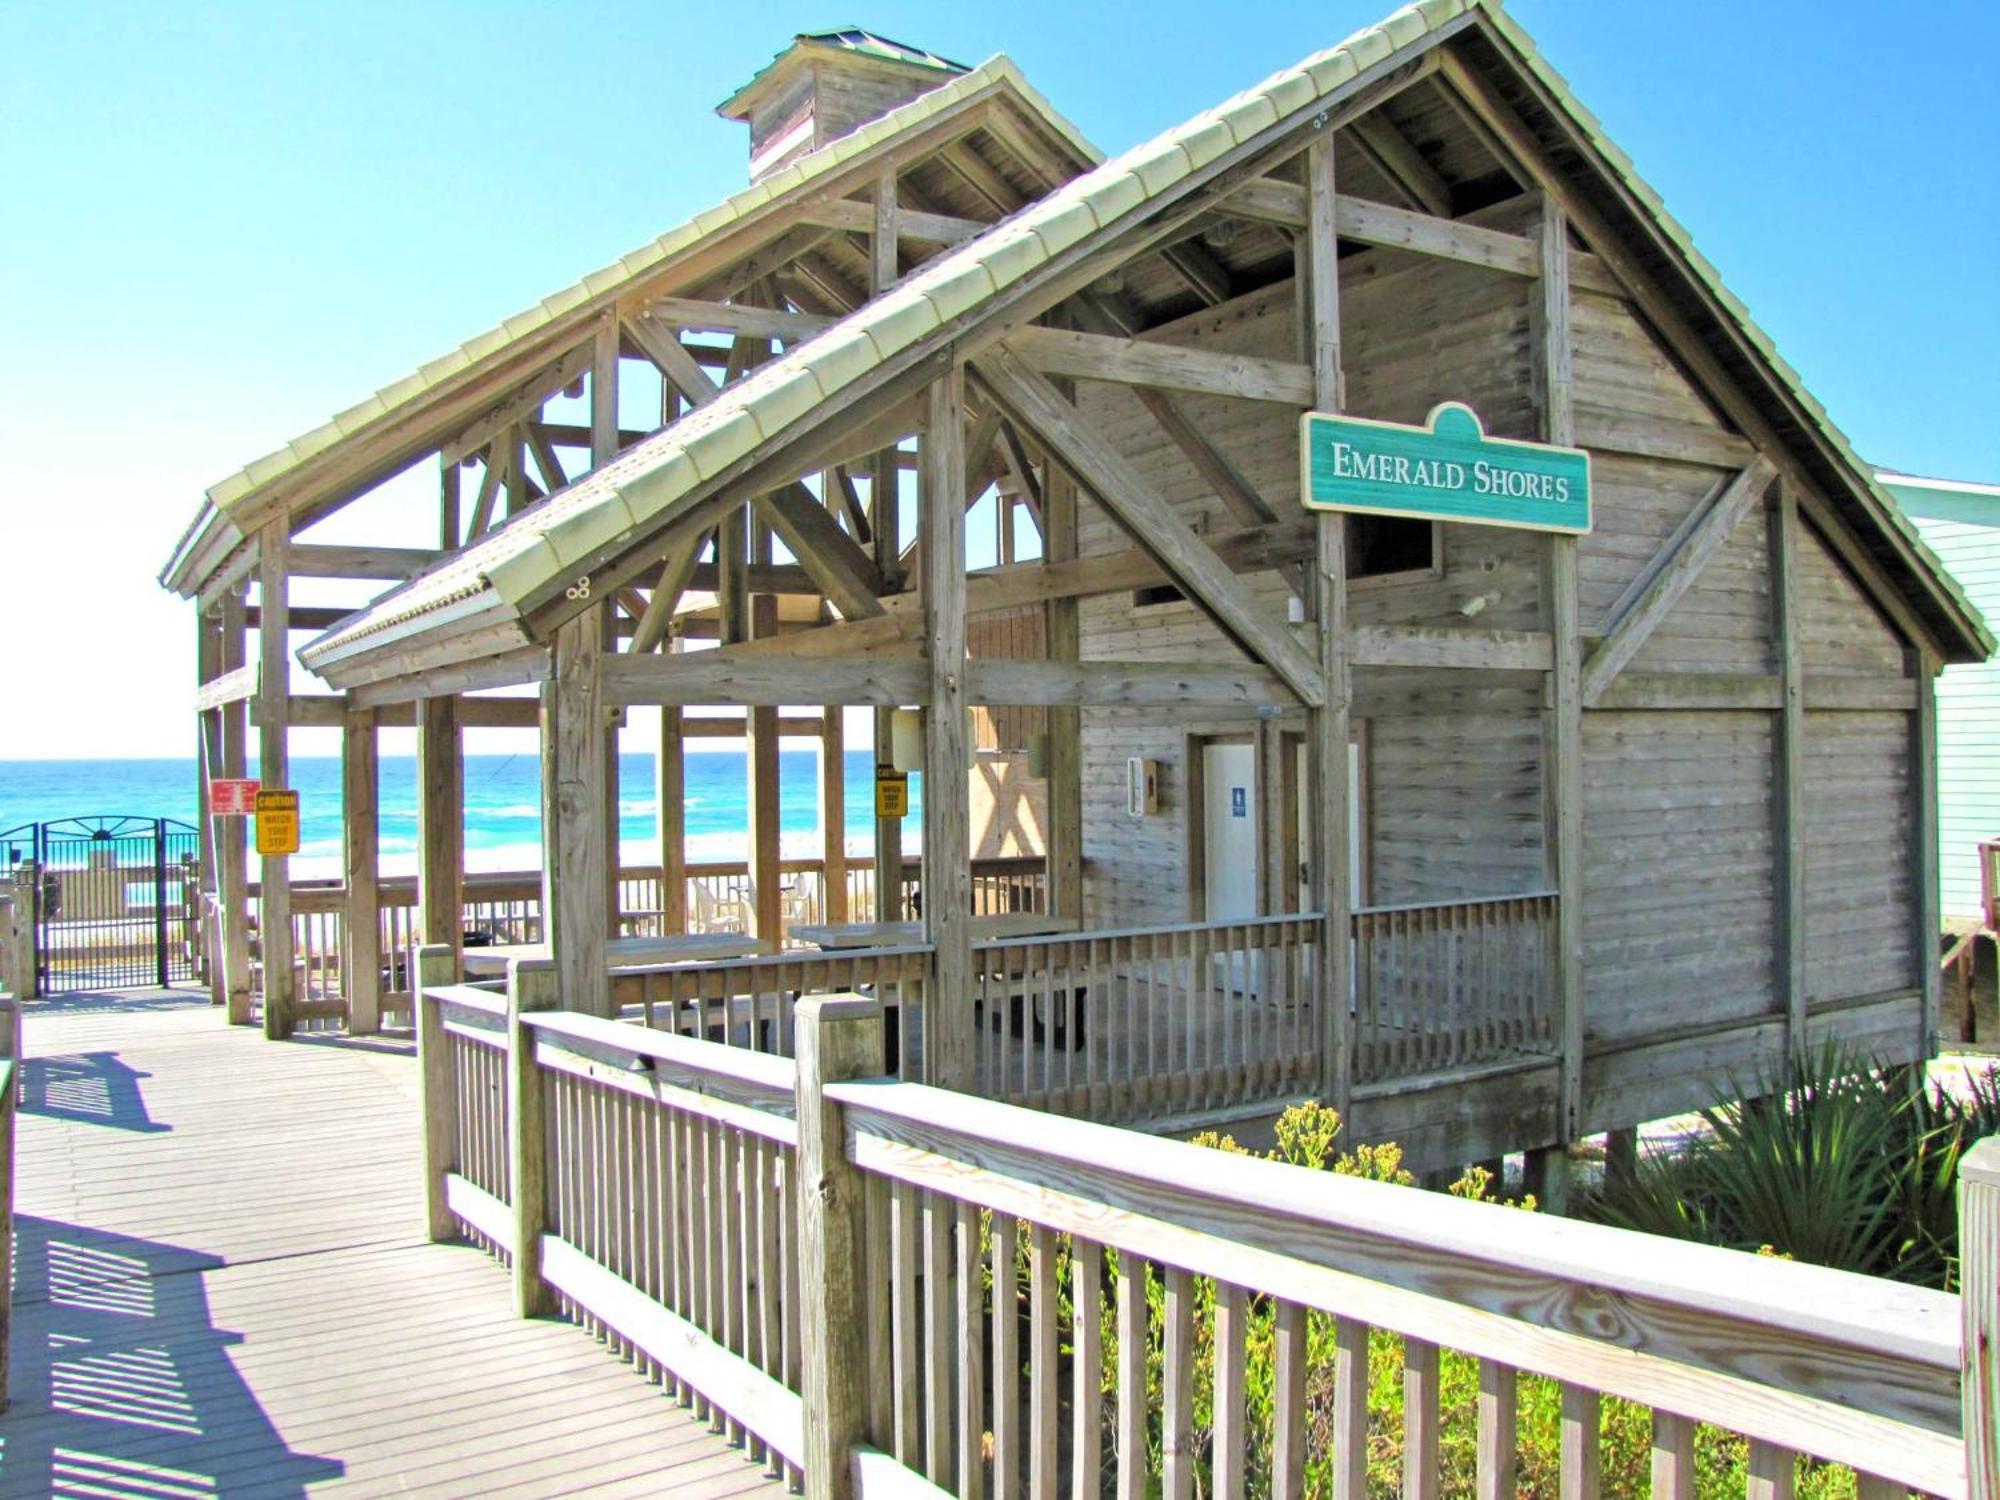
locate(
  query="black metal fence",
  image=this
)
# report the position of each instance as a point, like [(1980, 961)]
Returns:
[(114, 899)]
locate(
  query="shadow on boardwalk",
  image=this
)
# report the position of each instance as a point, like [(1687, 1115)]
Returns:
[(87, 1088), (123, 1386)]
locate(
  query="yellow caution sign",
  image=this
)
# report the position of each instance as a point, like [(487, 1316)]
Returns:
[(892, 793), (277, 819)]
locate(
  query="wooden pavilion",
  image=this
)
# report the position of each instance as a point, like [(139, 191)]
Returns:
[(1492, 837)]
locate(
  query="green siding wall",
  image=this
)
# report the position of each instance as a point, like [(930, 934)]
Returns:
[(1962, 525)]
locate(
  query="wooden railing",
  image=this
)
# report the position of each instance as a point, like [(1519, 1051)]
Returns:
[(507, 908), (1000, 1300), (750, 1002), (1448, 984), (10, 1084), (1151, 1022)]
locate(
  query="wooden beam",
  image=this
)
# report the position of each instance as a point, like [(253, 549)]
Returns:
[(1788, 791), (832, 812), (576, 861), (441, 825), (713, 678), (1147, 362), (1152, 522), (1436, 646), (1126, 684), (675, 574), (1222, 476), (947, 889), (1316, 256), (1609, 431), (690, 315), (1672, 575), (834, 560), (361, 915), (1063, 643), (273, 733), (1402, 163), (850, 216), (231, 687), (302, 617), (1563, 776), (881, 231), (670, 357), (1729, 691), (321, 560)]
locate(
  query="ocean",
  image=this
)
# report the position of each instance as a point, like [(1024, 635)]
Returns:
[(502, 804)]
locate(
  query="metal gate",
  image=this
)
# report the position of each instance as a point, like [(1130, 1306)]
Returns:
[(114, 898)]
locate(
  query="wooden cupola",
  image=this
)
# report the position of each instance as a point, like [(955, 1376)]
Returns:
[(825, 84)]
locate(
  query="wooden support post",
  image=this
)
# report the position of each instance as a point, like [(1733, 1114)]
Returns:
[(1788, 768), (531, 987), (885, 502), (603, 392), (1065, 724), (449, 524), (8, 1093), (838, 1038), (833, 814), (1924, 847), (574, 859), (361, 916), (1979, 1304), (947, 813), (1327, 725), (767, 905), (273, 731), (1546, 1175), (208, 747), (1562, 769), (437, 1075), (232, 874), (670, 793), (1621, 1158), (440, 825)]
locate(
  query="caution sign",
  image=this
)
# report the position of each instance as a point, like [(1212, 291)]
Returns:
[(277, 822), (892, 793), (232, 797)]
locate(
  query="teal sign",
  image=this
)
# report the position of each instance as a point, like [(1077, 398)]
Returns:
[(1446, 470)]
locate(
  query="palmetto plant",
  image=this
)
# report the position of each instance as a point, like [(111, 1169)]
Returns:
[(1838, 1161)]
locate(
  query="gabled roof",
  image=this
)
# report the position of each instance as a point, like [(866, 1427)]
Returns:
[(234, 505), (493, 584)]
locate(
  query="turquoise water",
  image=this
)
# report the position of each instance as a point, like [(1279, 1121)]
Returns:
[(502, 804)]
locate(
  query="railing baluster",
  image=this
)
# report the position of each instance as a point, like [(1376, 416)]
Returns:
[(1132, 1385), (1231, 1446), (1006, 1361), (1350, 1410), (1673, 1457), (1421, 1479), (1044, 1368), (1178, 1456), (1498, 1425), (1581, 1462), (1086, 1288), (940, 1312), (1772, 1472), (1288, 1399), (971, 1351), (906, 1376)]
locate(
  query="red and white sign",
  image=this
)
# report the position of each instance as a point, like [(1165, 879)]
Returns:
[(232, 799)]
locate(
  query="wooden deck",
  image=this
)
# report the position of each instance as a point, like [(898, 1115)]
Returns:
[(223, 1289)]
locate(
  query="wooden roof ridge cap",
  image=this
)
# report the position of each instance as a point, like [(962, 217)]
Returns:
[(1914, 1323), (928, 298), (1624, 171), (999, 73)]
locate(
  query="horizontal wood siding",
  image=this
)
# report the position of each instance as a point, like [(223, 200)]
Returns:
[(1860, 911), (1678, 868), (1968, 701), (1455, 806)]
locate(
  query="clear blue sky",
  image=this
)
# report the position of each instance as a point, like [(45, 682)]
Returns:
[(225, 221)]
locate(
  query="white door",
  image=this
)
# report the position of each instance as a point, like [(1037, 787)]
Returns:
[(1229, 833), (1356, 823)]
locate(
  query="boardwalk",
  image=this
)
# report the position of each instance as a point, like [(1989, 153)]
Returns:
[(223, 1289)]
